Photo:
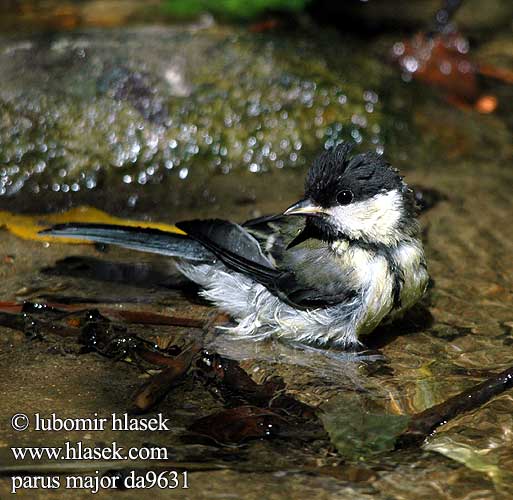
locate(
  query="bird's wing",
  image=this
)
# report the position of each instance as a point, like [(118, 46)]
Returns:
[(275, 233), (233, 245), (305, 276), (315, 276)]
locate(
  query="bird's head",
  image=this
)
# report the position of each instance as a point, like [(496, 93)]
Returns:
[(358, 198)]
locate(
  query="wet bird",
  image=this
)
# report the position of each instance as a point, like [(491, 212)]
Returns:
[(326, 271)]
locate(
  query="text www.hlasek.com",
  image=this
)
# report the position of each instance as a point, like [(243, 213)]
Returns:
[(95, 482), (77, 451)]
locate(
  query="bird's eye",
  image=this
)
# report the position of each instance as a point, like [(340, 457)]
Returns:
[(344, 197)]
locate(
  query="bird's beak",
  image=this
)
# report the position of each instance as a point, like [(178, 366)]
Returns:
[(305, 207)]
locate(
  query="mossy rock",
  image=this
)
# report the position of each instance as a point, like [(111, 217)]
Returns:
[(168, 106)]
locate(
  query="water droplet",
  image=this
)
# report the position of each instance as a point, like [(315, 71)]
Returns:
[(462, 45), (445, 67), (398, 49), (411, 64), (40, 167), (442, 16)]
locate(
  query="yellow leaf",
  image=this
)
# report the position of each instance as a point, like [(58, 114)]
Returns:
[(28, 226)]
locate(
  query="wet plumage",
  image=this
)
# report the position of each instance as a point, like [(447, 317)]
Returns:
[(326, 271)]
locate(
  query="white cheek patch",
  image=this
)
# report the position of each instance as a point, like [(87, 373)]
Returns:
[(375, 219)]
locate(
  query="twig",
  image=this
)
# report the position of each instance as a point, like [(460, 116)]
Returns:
[(159, 385), (423, 424)]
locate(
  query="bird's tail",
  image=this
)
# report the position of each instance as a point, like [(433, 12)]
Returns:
[(143, 239)]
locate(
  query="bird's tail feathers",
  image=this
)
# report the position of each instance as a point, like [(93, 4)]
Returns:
[(143, 239)]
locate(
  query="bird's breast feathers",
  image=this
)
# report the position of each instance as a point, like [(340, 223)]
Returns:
[(369, 273), (370, 268), (376, 275)]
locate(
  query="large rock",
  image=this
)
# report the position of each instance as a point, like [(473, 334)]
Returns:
[(172, 106)]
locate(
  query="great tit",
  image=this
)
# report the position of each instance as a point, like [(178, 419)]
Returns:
[(326, 271)]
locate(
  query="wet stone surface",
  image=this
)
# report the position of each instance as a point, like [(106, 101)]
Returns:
[(93, 112), (463, 335)]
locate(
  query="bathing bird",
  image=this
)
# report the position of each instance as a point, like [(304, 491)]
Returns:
[(326, 271)]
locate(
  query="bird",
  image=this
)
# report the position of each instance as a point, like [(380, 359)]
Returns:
[(325, 272)]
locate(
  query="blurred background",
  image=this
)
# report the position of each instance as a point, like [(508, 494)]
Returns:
[(172, 105)]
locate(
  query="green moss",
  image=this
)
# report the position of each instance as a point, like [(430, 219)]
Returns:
[(229, 8)]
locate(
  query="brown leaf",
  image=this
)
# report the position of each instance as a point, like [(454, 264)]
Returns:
[(236, 425)]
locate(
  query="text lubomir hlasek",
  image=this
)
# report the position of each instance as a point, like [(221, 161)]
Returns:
[(116, 422)]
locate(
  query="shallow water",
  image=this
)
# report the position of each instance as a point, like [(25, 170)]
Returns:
[(98, 106)]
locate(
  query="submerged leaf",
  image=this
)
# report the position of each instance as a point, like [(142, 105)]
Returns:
[(359, 432), (236, 425)]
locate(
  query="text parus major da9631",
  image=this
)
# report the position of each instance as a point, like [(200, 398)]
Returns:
[(325, 271)]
